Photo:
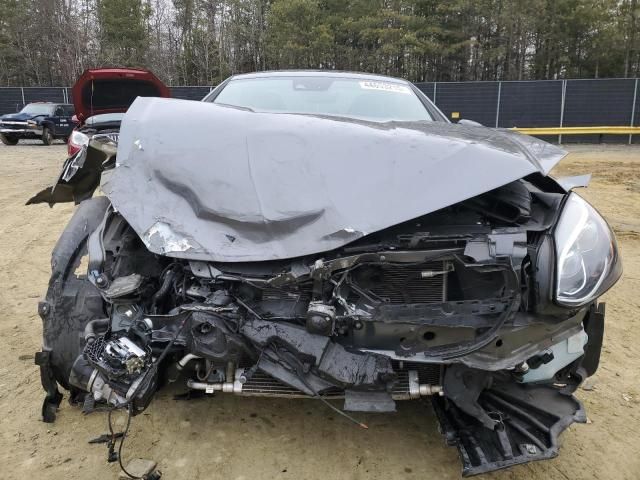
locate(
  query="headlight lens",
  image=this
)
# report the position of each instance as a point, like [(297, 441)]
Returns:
[(79, 138), (587, 253)]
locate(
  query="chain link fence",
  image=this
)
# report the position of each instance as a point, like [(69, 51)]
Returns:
[(12, 99), (528, 104)]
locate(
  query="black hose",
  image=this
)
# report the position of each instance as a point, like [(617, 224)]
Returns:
[(163, 290), (90, 328)]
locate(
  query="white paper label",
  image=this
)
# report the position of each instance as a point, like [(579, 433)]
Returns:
[(385, 86)]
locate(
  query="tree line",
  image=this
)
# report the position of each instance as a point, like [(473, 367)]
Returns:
[(201, 42)]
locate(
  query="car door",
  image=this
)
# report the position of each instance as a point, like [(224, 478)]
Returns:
[(62, 121)]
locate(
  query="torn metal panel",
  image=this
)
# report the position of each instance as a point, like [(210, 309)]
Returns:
[(574, 181), (257, 186), (80, 175), (164, 239)]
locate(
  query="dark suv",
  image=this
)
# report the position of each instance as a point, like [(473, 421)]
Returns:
[(44, 120)]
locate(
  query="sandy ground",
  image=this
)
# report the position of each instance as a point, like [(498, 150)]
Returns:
[(239, 438)]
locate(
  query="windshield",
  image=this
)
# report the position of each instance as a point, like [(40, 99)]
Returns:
[(373, 100), (104, 118), (38, 109)]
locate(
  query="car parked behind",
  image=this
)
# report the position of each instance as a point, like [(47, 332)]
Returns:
[(44, 120), (101, 96)]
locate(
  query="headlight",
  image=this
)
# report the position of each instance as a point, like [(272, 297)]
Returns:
[(32, 123), (587, 253), (79, 139)]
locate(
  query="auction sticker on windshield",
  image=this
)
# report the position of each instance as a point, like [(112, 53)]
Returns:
[(386, 86)]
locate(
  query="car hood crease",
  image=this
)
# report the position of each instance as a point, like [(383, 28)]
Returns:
[(202, 181)]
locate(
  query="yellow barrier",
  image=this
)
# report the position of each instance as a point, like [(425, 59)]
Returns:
[(579, 130)]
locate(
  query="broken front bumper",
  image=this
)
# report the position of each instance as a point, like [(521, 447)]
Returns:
[(528, 418), (531, 418)]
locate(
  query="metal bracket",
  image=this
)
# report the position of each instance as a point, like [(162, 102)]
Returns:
[(54, 397)]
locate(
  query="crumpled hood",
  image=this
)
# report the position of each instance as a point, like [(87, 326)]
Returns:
[(202, 181)]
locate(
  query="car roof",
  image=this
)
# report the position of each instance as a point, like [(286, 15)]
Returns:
[(102, 116), (51, 103), (319, 73)]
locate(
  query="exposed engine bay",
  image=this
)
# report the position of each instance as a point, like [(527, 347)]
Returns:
[(458, 305)]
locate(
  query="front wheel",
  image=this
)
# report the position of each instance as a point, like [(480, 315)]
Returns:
[(47, 136), (8, 140)]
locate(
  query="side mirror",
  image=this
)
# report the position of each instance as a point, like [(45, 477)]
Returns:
[(472, 123)]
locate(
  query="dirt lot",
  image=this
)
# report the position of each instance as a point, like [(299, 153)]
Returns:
[(239, 438)]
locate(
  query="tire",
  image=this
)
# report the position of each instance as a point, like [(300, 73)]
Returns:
[(8, 140), (71, 300), (47, 136)]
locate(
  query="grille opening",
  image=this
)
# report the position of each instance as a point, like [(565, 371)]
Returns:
[(401, 284), (262, 384)]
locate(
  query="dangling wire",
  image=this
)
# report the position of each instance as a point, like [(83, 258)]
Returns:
[(298, 369), (122, 437), (129, 404), (340, 412)]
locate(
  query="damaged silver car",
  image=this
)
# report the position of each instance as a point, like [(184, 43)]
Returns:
[(333, 236)]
